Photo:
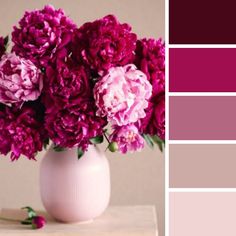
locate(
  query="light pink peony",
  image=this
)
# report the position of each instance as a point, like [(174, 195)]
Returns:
[(20, 80), (127, 138), (122, 95)]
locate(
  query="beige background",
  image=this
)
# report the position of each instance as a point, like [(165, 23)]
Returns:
[(202, 166), (137, 178)]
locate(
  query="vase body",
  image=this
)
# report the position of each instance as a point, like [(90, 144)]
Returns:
[(72, 189)]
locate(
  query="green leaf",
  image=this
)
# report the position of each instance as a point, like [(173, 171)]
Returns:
[(80, 153), (58, 148), (45, 143), (43, 70), (6, 39), (26, 222), (34, 226), (31, 212), (97, 139), (159, 142), (148, 140)]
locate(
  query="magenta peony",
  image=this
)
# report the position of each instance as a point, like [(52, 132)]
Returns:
[(127, 138), (20, 80), (154, 122), (74, 126), (122, 95), (2, 47), (104, 43), (67, 85), (41, 34), (21, 132), (150, 59), (64, 84)]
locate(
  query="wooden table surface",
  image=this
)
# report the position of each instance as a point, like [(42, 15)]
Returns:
[(116, 221)]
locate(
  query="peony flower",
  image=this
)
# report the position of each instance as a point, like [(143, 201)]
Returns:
[(67, 85), (74, 126), (41, 34), (104, 43), (21, 133), (154, 122), (5, 138), (128, 138), (38, 222), (122, 95), (35, 221), (2, 46), (20, 80), (150, 59)]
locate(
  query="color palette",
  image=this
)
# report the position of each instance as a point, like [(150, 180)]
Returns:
[(202, 69), (202, 214), (202, 22), (202, 166), (202, 118)]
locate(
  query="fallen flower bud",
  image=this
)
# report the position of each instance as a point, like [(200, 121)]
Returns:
[(38, 222)]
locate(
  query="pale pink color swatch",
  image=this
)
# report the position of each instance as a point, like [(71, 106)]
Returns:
[(202, 214), (202, 166)]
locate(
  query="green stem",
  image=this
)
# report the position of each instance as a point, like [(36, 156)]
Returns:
[(12, 220), (107, 138)]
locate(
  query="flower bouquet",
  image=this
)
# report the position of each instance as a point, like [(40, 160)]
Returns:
[(78, 86), (66, 84)]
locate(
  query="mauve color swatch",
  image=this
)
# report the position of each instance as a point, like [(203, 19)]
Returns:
[(202, 118), (202, 166), (202, 214), (202, 69), (202, 22)]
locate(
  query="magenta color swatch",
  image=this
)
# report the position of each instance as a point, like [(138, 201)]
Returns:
[(202, 118), (202, 69)]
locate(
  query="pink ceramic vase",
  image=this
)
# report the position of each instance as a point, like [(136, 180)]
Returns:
[(75, 190)]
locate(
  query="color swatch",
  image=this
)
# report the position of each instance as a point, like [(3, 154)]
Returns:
[(202, 69), (202, 214), (207, 119), (202, 22), (202, 118), (202, 166)]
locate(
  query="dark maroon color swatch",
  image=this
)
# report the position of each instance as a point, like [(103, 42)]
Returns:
[(202, 22), (202, 118), (202, 70)]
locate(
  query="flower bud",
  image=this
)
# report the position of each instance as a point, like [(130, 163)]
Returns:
[(38, 222), (113, 146)]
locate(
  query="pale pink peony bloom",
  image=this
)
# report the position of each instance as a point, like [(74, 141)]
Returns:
[(127, 138), (20, 80), (122, 95)]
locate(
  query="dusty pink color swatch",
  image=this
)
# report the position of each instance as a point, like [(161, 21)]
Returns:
[(202, 69), (202, 166), (202, 118), (202, 214)]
